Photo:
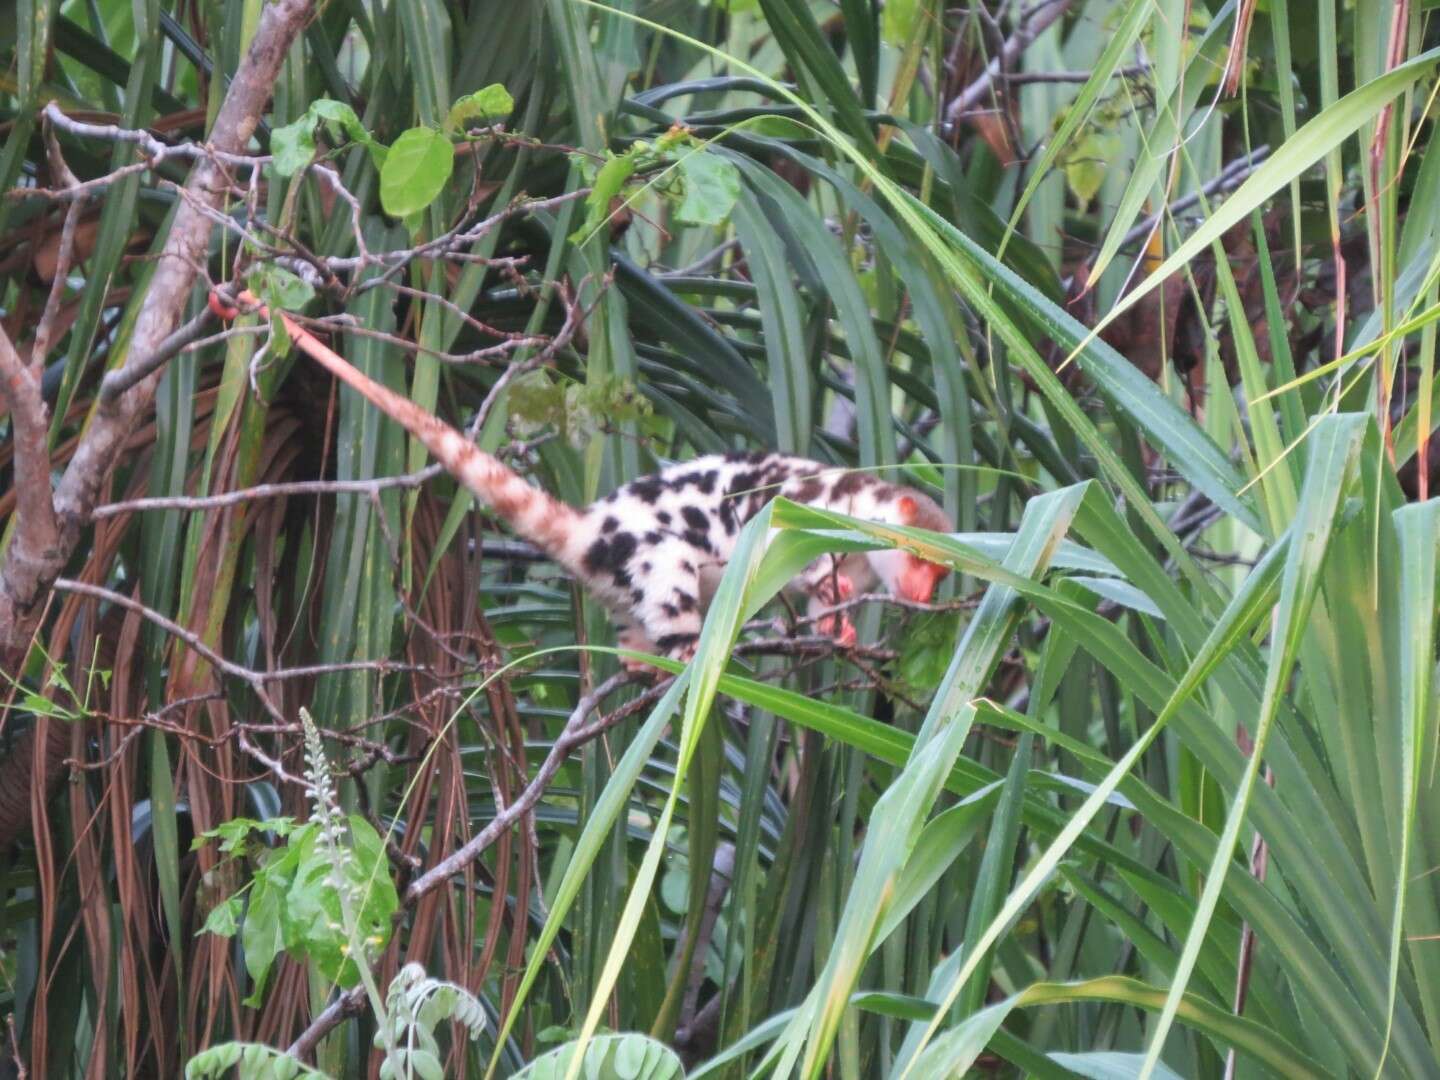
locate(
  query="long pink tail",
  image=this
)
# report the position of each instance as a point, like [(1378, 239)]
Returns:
[(533, 514)]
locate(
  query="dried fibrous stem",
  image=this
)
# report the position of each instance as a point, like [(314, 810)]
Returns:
[(30, 569), (52, 526)]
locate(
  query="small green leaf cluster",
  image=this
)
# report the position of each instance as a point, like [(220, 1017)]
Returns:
[(700, 185), (630, 1056), (292, 905), (279, 290), (415, 1005), (414, 169), (251, 1061), (576, 411)]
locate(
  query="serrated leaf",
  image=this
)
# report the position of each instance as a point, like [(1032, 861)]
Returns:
[(415, 171)]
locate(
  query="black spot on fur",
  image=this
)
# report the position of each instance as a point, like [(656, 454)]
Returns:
[(671, 611), (808, 490), (672, 641), (702, 480), (663, 517), (611, 555), (637, 596), (647, 490), (652, 537), (850, 483), (645, 567), (610, 524), (697, 540), (684, 601), (695, 518), (687, 566), (741, 483), (727, 517), (745, 457)]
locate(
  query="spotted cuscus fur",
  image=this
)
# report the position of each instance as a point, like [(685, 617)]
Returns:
[(653, 550)]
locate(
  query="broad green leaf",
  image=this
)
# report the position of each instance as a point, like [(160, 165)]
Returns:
[(711, 187), (416, 170)]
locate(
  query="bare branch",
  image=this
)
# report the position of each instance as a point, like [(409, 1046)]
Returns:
[(40, 347), (123, 379), (37, 532), (576, 732), (268, 491), (1032, 26)]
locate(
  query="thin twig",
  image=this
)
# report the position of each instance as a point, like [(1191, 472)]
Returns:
[(1032, 26), (574, 734), (1227, 178), (268, 491), (121, 379), (1023, 78)]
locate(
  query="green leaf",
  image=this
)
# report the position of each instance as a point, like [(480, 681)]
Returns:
[(489, 103), (956, 1050), (628, 1056), (415, 171), (1086, 163), (898, 20), (293, 145), (279, 288), (251, 1061), (224, 918), (609, 181), (262, 936), (712, 185)]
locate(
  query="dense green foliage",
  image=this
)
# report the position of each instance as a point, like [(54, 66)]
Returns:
[(1153, 786)]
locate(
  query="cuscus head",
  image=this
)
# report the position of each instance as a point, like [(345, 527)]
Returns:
[(905, 575)]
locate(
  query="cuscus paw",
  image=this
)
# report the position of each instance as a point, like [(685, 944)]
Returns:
[(681, 652), (839, 627), (834, 589), (635, 666)]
